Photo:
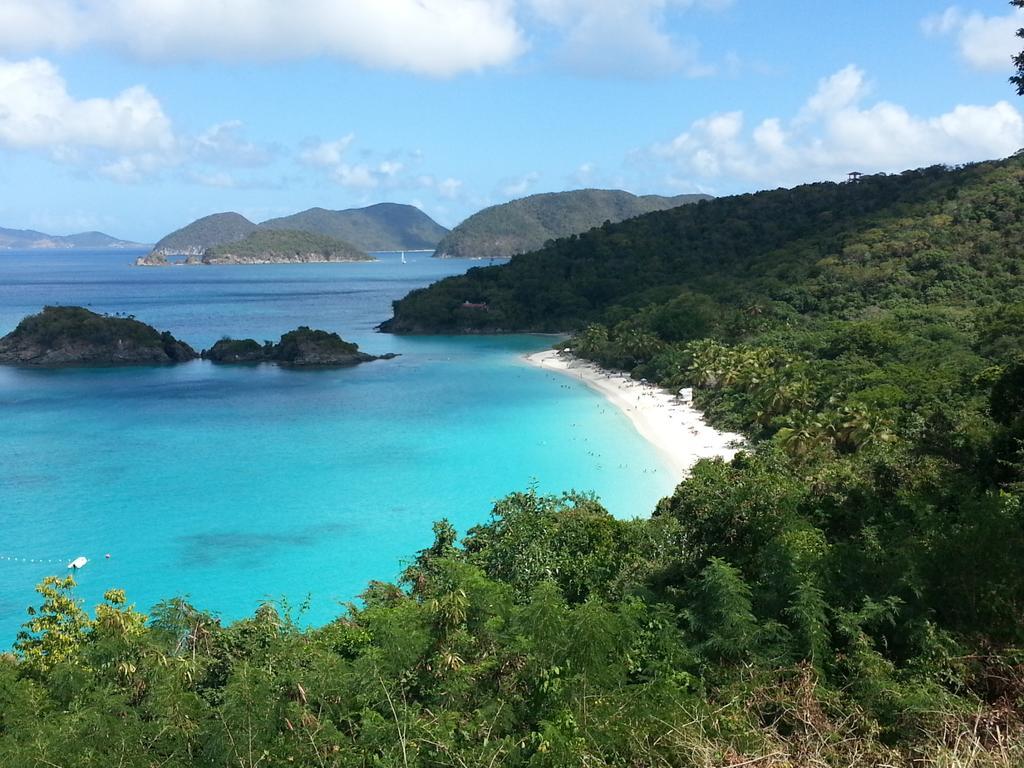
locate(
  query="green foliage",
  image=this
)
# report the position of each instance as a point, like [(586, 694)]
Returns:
[(59, 325), (284, 244), (466, 668), (56, 629), (68, 335), (1018, 60)]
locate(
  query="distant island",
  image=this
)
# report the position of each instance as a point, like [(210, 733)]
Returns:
[(303, 347), (271, 246), (63, 336), (30, 239), (381, 227), (523, 225)]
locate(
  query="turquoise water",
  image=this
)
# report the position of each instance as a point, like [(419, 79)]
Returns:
[(232, 485)]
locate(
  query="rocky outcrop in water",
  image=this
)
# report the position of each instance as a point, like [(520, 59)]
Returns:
[(303, 347), (64, 336)]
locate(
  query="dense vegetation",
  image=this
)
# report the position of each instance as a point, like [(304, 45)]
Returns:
[(75, 335), (528, 223), (849, 592), (380, 227), (555, 636), (284, 245)]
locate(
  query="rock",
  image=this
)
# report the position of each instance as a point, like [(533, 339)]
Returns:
[(303, 347), (61, 336)]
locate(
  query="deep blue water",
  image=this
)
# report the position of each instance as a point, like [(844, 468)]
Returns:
[(232, 485)]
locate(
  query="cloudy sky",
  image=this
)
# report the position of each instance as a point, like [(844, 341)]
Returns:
[(136, 116)]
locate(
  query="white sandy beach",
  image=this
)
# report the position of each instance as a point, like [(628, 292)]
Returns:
[(670, 424)]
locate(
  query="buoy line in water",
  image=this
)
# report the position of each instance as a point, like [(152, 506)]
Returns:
[(68, 561)]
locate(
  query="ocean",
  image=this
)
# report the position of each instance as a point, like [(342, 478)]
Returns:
[(233, 485)]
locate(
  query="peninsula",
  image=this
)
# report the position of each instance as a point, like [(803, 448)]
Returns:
[(303, 347), (66, 336)]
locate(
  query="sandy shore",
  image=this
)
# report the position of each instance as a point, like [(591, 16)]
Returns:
[(669, 423)]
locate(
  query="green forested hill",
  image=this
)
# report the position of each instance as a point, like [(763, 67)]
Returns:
[(380, 227), (207, 232), (283, 246), (528, 223), (881, 239)]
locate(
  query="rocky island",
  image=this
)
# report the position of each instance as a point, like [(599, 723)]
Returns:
[(64, 336), (303, 347), (284, 246), (269, 246)]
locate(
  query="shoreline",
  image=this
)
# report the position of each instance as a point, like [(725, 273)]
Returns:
[(667, 421)]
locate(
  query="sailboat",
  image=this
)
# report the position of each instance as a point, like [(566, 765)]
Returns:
[(403, 258)]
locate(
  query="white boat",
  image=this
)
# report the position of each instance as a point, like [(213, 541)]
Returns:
[(78, 562), (403, 258)]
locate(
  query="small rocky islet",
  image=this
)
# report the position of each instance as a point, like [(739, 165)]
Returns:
[(65, 336), (302, 347), (75, 336)]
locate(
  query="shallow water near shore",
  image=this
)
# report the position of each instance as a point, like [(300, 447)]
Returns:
[(235, 484)]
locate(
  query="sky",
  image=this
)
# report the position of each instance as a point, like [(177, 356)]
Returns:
[(135, 117)]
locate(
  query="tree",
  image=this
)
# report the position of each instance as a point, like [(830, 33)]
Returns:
[(1018, 60)]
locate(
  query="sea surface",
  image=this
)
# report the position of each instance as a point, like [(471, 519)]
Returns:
[(233, 485)]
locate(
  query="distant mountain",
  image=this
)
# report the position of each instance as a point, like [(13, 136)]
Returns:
[(526, 224), (31, 239), (380, 227), (207, 232)]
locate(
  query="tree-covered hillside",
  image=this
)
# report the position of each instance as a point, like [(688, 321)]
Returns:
[(920, 228), (380, 227), (283, 246), (528, 223), (207, 232)]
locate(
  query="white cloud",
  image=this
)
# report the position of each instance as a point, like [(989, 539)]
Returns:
[(26, 25), (126, 137), (36, 111), (519, 187), (835, 132), (986, 43), (394, 172), (357, 176), (132, 169), (439, 38), (325, 154), (449, 188), (224, 144), (217, 179), (604, 37)]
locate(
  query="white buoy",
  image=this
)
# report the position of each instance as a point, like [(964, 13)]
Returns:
[(78, 562)]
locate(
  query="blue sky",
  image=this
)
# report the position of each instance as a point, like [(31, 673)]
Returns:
[(137, 116)]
